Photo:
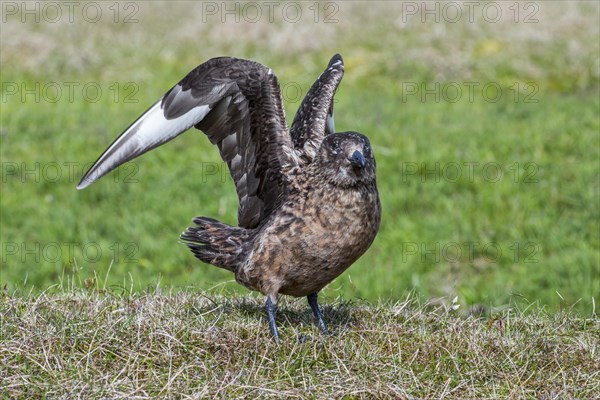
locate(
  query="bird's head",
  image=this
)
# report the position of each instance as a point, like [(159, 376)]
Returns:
[(346, 159)]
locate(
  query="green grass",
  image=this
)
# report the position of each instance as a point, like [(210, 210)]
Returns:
[(440, 234), (180, 344)]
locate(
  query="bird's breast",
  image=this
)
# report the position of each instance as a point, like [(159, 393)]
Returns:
[(312, 239), (343, 223)]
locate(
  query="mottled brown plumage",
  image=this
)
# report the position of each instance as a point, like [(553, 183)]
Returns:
[(328, 219), (309, 206)]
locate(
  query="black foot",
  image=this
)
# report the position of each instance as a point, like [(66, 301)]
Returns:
[(271, 309), (314, 305)]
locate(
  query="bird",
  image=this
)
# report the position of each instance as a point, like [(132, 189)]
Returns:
[(308, 200)]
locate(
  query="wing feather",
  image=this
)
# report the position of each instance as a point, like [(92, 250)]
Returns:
[(314, 118), (237, 104)]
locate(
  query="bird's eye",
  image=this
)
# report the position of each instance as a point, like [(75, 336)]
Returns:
[(336, 150)]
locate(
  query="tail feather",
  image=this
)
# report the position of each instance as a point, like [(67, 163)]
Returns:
[(216, 243)]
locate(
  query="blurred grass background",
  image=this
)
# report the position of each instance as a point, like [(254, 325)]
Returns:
[(527, 231)]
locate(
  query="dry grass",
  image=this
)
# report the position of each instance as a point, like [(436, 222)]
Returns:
[(193, 345)]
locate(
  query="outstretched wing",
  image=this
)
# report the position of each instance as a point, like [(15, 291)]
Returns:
[(314, 118), (237, 103)]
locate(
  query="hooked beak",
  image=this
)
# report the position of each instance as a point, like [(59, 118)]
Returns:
[(357, 159)]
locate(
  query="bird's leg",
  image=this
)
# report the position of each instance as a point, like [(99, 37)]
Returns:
[(314, 305), (271, 308)]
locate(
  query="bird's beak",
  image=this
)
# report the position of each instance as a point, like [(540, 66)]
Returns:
[(357, 159)]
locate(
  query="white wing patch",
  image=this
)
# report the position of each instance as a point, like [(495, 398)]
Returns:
[(153, 127), (330, 125), (150, 130)]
